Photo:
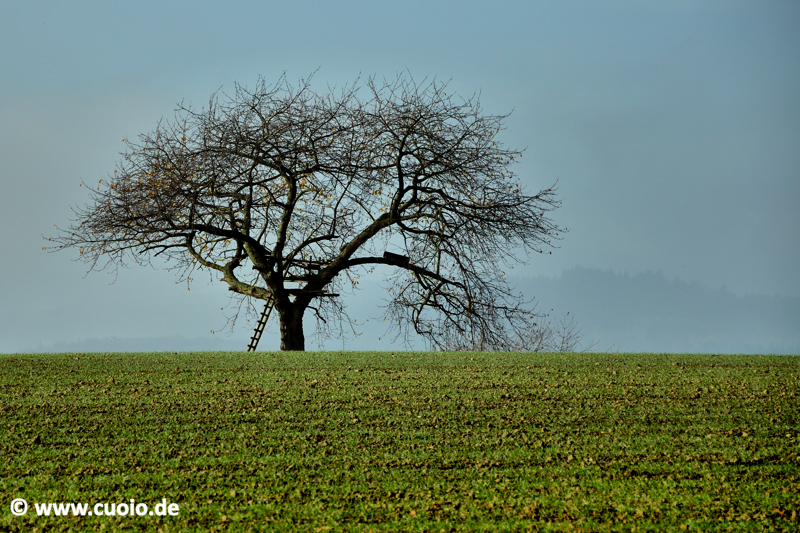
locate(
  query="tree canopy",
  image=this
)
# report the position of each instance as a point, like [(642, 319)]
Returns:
[(287, 194)]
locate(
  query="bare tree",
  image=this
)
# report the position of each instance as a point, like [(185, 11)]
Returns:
[(287, 193), (561, 334)]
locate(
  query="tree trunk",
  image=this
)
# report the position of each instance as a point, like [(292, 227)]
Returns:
[(292, 337)]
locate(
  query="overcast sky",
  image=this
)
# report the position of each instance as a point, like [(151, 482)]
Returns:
[(673, 129)]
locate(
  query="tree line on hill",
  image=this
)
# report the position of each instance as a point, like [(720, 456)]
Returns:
[(646, 312)]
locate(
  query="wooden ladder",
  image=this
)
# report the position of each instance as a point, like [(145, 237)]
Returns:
[(262, 322)]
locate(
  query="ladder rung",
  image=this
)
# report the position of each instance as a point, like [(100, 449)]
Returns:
[(262, 322)]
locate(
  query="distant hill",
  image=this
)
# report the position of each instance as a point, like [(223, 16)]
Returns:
[(649, 313), (642, 312)]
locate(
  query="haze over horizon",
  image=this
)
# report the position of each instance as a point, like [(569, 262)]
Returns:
[(614, 311), (671, 127)]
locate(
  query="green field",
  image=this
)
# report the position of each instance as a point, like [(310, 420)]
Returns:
[(404, 442)]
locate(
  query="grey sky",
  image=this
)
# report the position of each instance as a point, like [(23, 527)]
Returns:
[(672, 127)]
